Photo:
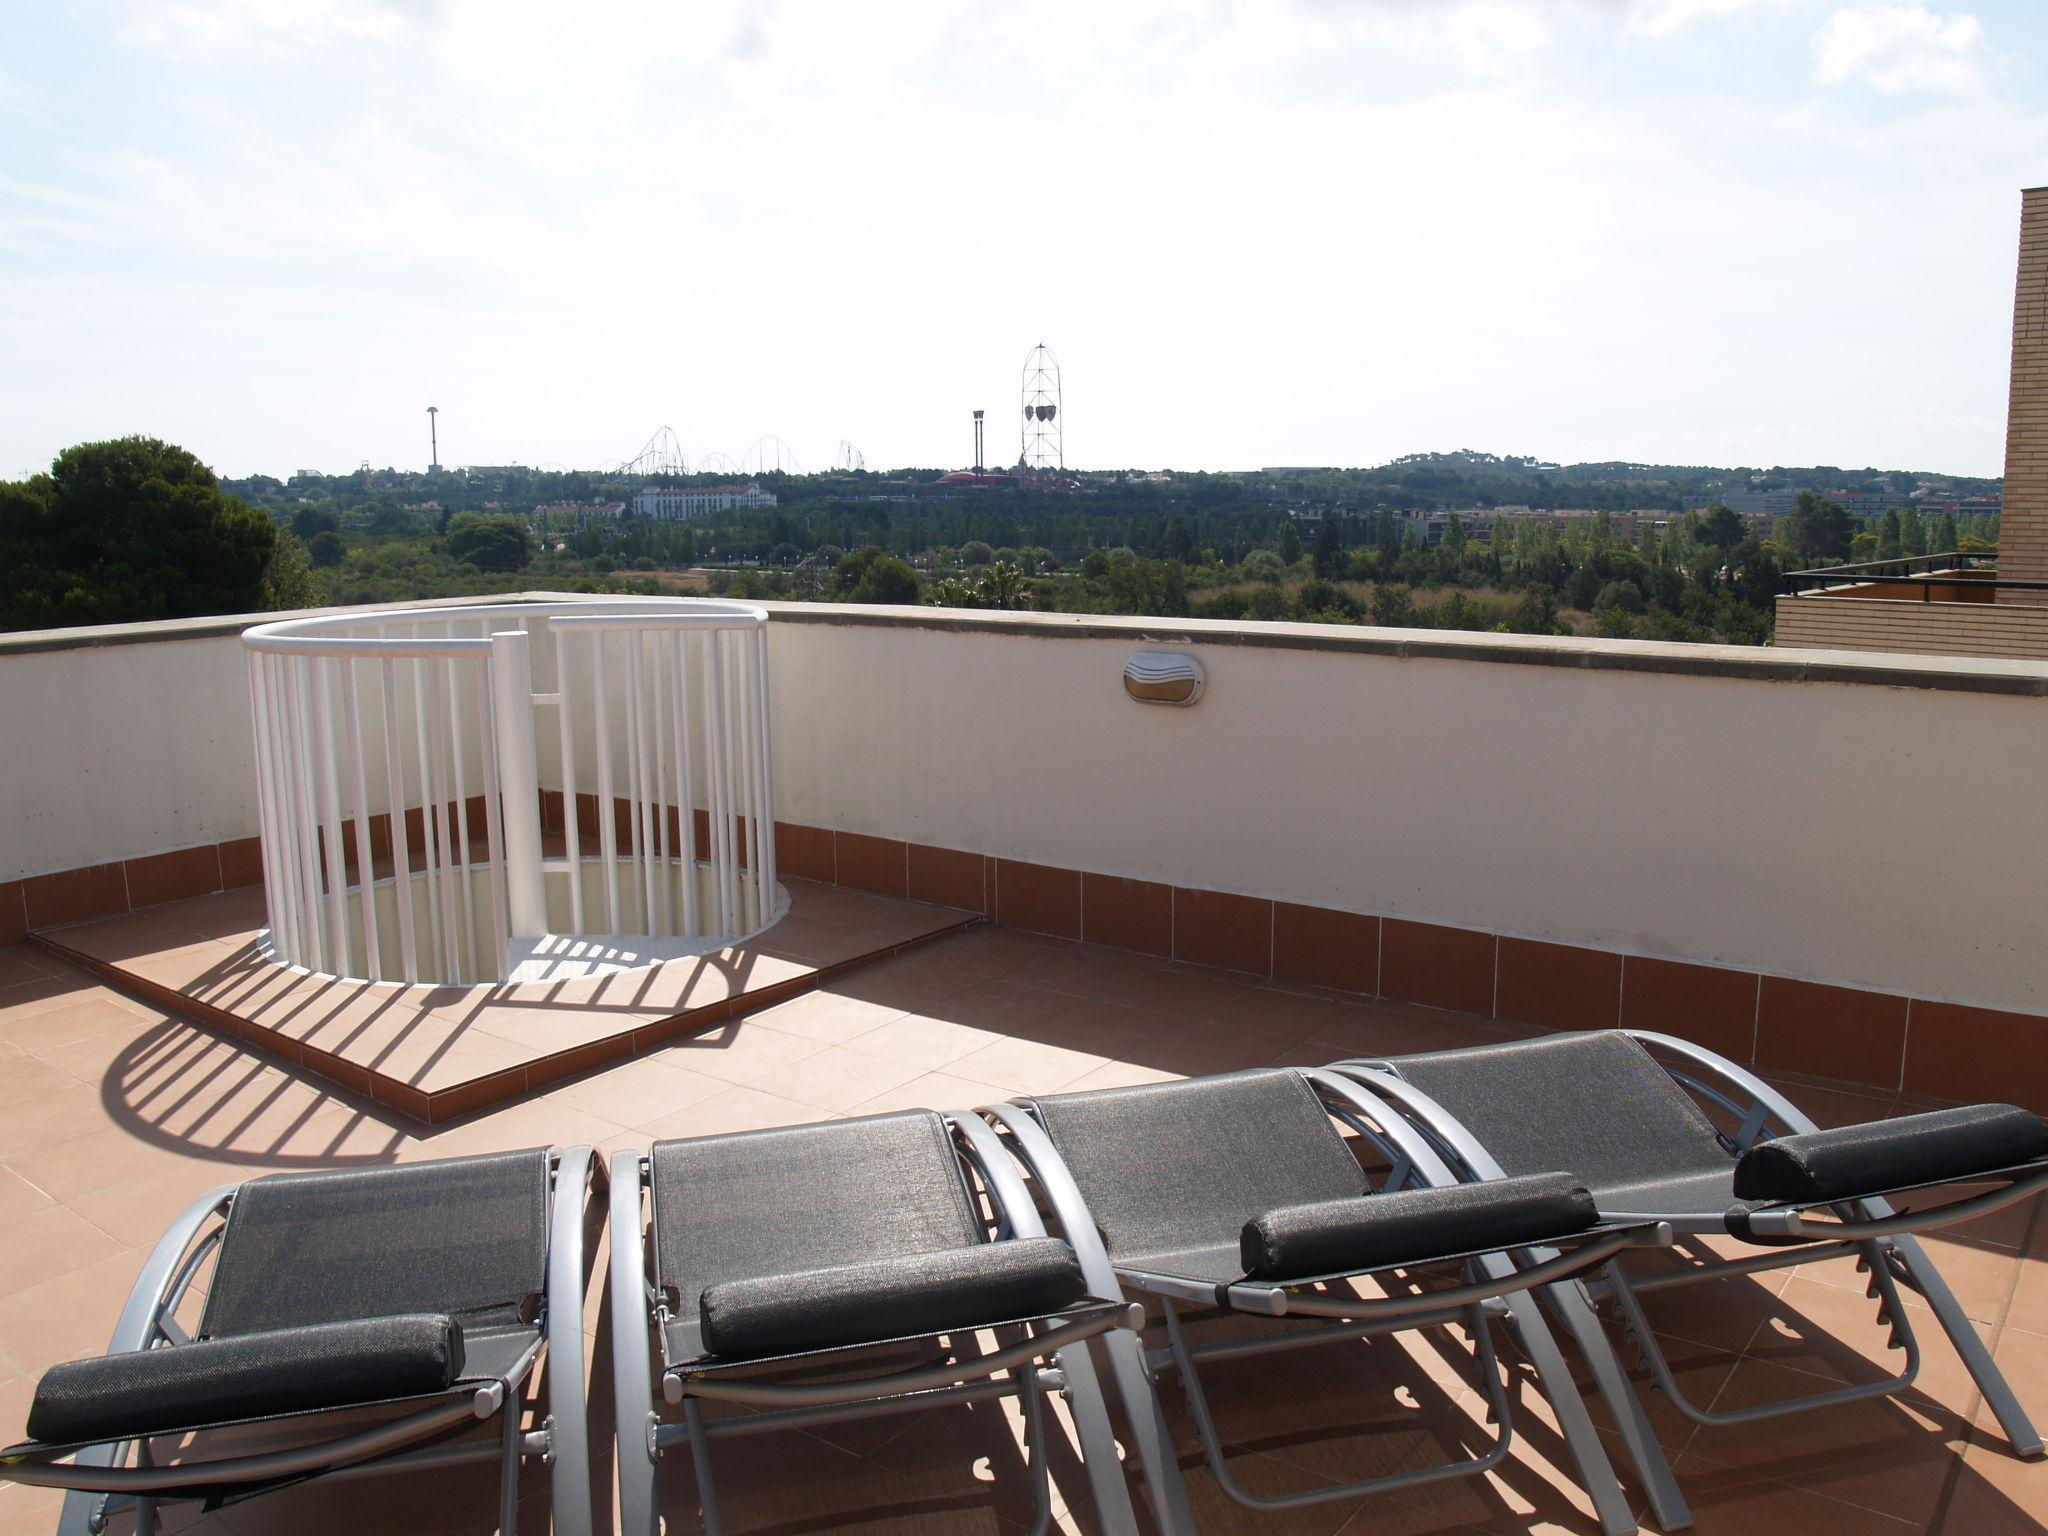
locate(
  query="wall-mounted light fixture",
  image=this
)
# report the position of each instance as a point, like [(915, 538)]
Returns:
[(1163, 677)]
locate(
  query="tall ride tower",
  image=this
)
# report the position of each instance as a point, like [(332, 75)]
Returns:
[(434, 437), (1042, 445)]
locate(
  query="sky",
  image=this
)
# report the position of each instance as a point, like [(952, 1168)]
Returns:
[(1255, 232)]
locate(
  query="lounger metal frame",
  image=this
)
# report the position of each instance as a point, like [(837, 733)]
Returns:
[(1868, 1230), (101, 1484), (1492, 1290), (1015, 1368)]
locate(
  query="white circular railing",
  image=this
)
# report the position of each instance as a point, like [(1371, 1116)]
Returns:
[(408, 797)]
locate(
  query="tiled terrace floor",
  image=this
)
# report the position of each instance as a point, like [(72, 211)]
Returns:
[(112, 1115)]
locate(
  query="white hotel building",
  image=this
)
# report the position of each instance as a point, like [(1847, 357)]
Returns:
[(696, 500)]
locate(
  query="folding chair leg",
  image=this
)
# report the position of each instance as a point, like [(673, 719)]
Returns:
[(1667, 1504), (1553, 1379), (508, 1465), (1149, 1437), (1922, 1276), (700, 1462), (1098, 1444)]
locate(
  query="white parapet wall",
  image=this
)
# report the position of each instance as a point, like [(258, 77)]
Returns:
[(1865, 819), (1876, 821)]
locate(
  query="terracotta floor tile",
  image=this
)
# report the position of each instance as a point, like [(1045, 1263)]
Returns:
[(40, 1030), (18, 1197), (1727, 1502), (27, 1078), (635, 1092), (1027, 1066), (55, 1116), (1377, 1031), (920, 1041), (68, 1317), (137, 1212), (1996, 1494), (47, 1243), (739, 1051), (826, 1016), (933, 1090), (836, 1079), (22, 963), (1120, 1074), (2023, 1360), (1180, 992), (1892, 1455), (736, 1109), (1087, 969)]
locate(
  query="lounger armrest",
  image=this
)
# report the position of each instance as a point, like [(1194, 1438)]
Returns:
[(902, 1296), (246, 1376), (1414, 1225), (1819, 1167)]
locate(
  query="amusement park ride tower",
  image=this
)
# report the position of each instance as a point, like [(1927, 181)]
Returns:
[(1042, 447)]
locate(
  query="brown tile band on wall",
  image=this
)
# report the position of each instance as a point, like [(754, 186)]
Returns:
[(1770, 1023)]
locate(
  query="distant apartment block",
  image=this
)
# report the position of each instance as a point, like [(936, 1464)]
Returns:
[(698, 500), (579, 511)]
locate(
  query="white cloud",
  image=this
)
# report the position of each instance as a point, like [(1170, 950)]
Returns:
[(1661, 18), (1904, 48)]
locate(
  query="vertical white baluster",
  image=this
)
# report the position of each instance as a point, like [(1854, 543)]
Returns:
[(435, 745), (607, 823), (330, 807), (435, 944), (366, 868), (394, 799), (519, 811), (643, 788), (266, 802), (686, 795), (571, 821), (658, 754), (494, 826), (764, 866), (749, 731), (470, 937), (307, 813), (715, 752)]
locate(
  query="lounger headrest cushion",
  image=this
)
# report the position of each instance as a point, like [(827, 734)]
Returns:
[(1366, 1232), (1890, 1154), (898, 1297), (248, 1376)]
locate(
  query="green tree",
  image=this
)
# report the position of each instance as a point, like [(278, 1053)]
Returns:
[(1289, 542), (124, 531), (872, 576), (1329, 554), (1453, 544), (310, 522), (325, 548), (1816, 529), (288, 579), (975, 552), (1912, 532), (489, 543), (1719, 526), (1889, 546)]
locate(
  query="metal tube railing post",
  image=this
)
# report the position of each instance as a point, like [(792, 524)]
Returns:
[(518, 783)]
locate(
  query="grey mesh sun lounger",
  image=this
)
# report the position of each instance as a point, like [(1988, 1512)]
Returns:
[(355, 1322), (1630, 1114), (770, 1263), (1240, 1192)]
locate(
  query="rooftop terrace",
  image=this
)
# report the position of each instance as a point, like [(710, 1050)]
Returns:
[(1007, 877)]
